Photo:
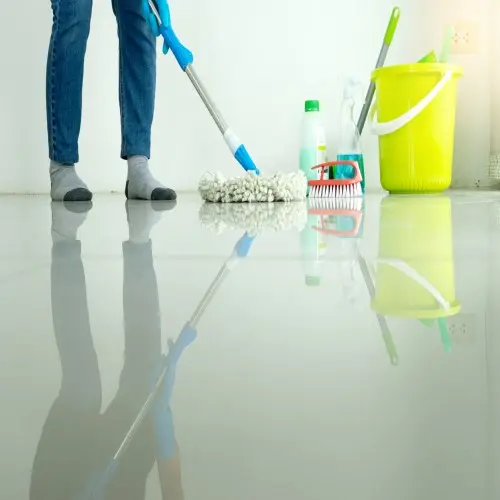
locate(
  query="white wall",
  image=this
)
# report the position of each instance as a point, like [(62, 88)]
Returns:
[(260, 59)]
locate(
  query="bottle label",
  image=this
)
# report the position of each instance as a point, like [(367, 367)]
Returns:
[(309, 158), (321, 158)]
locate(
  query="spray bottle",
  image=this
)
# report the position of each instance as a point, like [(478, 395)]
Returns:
[(350, 140)]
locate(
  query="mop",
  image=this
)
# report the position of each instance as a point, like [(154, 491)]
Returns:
[(214, 187)]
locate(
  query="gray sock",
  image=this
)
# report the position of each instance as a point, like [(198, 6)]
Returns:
[(141, 185), (65, 185)]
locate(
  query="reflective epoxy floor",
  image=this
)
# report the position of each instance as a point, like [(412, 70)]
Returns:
[(353, 353)]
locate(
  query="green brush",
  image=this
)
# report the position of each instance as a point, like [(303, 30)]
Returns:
[(388, 37), (429, 58), (446, 49)]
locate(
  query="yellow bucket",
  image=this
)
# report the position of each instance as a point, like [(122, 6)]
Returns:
[(415, 122), (415, 269)]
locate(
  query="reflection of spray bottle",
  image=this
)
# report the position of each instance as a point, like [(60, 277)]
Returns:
[(313, 248), (350, 140)]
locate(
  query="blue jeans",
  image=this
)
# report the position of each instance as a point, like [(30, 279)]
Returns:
[(137, 85)]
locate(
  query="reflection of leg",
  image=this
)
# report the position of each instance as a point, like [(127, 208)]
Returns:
[(67, 219), (142, 313), (70, 428), (142, 355), (81, 379), (142, 217)]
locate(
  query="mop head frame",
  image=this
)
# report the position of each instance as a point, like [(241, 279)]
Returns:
[(253, 188)]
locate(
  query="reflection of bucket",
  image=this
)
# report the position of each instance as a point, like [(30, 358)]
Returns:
[(415, 270), (416, 106)]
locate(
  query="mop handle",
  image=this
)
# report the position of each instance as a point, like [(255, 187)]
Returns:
[(187, 336), (384, 327), (389, 35), (185, 60), (241, 250)]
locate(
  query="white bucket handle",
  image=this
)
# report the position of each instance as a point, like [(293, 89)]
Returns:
[(398, 123), (417, 277)]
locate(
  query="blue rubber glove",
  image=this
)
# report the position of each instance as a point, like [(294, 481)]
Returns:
[(164, 11)]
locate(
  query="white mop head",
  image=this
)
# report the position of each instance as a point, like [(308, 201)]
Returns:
[(252, 188), (254, 218)]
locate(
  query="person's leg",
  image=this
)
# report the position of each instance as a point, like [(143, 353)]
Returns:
[(137, 98), (64, 81)]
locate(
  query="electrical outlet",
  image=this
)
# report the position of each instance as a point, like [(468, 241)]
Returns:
[(465, 39), (462, 328)]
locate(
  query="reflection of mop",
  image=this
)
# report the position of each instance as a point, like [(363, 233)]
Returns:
[(254, 217), (384, 327), (185, 338)]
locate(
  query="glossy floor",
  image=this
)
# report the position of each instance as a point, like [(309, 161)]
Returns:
[(354, 353)]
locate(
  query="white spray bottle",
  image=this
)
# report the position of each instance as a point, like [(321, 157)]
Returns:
[(350, 140)]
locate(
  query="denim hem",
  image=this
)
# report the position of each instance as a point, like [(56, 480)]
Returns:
[(136, 152)]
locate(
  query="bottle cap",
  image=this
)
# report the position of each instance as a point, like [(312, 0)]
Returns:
[(312, 106)]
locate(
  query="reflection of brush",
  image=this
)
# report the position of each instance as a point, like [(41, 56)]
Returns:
[(337, 216), (445, 337), (443, 330)]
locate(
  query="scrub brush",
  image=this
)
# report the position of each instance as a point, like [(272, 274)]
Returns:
[(336, 188)]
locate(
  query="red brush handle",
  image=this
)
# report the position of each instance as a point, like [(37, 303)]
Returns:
[(322, 166)]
